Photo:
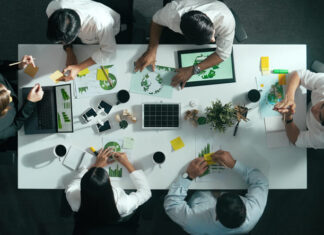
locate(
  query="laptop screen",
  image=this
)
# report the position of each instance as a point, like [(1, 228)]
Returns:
[(64, 108)]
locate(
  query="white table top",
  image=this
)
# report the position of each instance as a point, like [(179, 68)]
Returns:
[(286, 168)]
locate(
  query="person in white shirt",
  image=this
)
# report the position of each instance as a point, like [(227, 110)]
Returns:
[(201, 22), (91, 21), (228, 213), (314, 136), (100, 203)]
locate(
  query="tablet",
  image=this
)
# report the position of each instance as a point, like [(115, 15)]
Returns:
[(221, 73)]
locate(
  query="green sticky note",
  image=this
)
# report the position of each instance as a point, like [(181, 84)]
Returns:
[(128, 143)]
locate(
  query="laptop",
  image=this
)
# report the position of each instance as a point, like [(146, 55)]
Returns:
[(53, 114)]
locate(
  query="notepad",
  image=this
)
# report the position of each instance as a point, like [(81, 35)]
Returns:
[(73, 158), (177, 143), (101, 76), (31, 71), (87, 160), (56, 75), (128, 143)]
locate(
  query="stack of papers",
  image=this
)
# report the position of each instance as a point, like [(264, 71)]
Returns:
[(276, 133)]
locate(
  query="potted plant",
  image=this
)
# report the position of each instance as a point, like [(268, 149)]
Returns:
[(221, 116)]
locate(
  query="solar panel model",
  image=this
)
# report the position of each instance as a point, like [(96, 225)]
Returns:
[(160, 116)]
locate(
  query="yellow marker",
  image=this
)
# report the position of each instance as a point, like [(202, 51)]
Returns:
[(282, 79), (265, 68), (31, 71), (177, 143), (56, 75), (94, 151)]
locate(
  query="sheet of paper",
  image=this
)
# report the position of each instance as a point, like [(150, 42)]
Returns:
[(177, 143), (101, 76), (128, 143), (88, 85), (56, 75), (274, 124), (83, 72), (73, 158), (277, 139), (31, 71), (157, 83)]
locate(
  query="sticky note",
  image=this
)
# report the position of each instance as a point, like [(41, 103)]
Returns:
[(31, 71), (83, 72), (177, 143), (209, 159), (128, 143), (282, 79), (56, 75), (101, 76), (265, 68)]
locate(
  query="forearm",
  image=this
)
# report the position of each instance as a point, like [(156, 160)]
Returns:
[(210, 61), (129, 166), (155, 34), (293, 84), (292, 132), (87, 63)]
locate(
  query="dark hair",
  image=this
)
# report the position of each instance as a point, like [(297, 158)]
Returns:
[(230, 210), (63, 26), (98, 205), (4, 100), (197, 27)]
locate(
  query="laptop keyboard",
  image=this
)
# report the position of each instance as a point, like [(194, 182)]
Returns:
[(44, 111)]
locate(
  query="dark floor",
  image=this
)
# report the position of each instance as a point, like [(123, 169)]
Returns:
[(277, 22)]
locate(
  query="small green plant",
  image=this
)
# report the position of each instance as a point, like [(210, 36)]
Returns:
[(220, 116)]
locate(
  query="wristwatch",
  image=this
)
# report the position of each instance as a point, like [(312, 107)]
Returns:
[(289, 121), (196, 69), (67, 46), (186, 176)]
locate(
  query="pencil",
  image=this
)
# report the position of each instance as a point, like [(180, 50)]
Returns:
[(108, 79), (12, 64)]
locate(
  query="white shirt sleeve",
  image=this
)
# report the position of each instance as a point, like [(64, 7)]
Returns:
[(167, 17), (73, 191), (311, 81), (107, 44), (225, 37), (142, 194), (52, 6)]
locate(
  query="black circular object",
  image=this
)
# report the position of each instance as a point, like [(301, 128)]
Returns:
[(159, 157), (122, 96), (254, 95), (60, 150), (123, 124)]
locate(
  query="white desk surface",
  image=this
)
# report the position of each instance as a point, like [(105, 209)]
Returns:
[(286, 168)]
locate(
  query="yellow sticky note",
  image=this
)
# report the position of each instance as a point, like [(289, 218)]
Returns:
[(282, 79), (56, 75), (177, 143), (101, 76), (265, 68), (209, 159), (83, 72), (31, 71)]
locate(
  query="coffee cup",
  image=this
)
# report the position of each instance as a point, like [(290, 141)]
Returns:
[(158, 158), (122, 96), (254, 95), (60, 151)]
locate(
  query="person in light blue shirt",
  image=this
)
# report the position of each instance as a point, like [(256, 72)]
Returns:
[(229, 213)]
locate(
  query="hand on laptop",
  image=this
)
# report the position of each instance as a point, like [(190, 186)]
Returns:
[(223, 157), (36, 93), (197, 167)]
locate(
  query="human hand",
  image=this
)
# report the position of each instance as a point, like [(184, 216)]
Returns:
[(102, 159), (224, 158), (70, 57), (197, 167), (72, 71), (182, 76), (122, 158), (148, 58), (287, 105), (26, 60), (35, 94)]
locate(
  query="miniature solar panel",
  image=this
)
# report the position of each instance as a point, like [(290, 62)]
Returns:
[(159, 116)]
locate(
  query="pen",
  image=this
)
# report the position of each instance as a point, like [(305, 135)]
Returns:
[(12, 64), (236, 127), (94, 151), (280, 71)]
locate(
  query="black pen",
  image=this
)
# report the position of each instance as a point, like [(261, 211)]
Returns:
[(236, 127)]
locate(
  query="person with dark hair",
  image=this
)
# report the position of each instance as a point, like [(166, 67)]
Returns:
[(208, 213), (11, 120), (313, 137), (97, 201), (200, 22), (90, 21)]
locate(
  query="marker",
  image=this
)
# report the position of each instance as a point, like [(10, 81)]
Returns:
[(280, 71), (94, 151)]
